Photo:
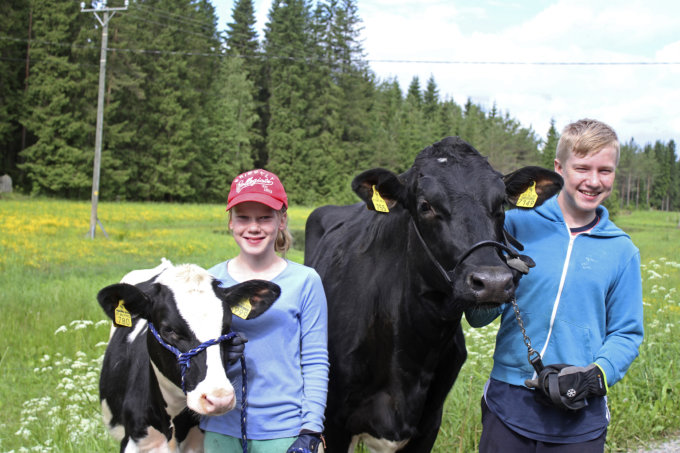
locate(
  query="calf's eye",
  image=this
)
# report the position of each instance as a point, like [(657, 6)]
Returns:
[(170, 335)]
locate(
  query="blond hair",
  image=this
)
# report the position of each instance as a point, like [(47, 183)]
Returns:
[(284, 240), (586, 137)]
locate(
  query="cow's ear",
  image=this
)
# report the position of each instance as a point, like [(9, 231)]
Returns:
[(529, 187), (386, 183), (128, 297), (250, 299)]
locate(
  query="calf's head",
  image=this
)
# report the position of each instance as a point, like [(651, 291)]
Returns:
[(188, 308), (454, 203)]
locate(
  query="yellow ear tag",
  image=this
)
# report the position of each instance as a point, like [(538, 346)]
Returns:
[(528, 198), (242, 309), (122, 316), (378, 202)]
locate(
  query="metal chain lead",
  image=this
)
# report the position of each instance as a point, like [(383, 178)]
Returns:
[(533, 355)]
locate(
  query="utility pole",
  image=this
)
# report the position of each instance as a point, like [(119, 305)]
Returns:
[(101, 8)]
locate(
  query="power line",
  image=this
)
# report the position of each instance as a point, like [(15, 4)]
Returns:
[(176, 17), (369, 60), (534, 63)]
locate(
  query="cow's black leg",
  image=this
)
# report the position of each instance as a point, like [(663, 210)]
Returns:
[(123, 443), (428, 427), (424, 442)]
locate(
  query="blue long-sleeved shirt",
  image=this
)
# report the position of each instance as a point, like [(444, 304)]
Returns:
[(286, 360)]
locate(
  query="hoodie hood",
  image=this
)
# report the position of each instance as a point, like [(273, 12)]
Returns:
[(551, 210)]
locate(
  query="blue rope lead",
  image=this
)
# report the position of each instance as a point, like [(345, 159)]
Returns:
[(244, 404)]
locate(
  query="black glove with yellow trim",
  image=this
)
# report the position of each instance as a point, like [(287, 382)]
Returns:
[(567, 386)]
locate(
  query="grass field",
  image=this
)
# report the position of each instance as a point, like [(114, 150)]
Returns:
[(53, 332)]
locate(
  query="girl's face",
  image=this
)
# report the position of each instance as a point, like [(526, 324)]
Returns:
[(255, 227)]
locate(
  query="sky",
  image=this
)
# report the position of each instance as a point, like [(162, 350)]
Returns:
[(617, 61)]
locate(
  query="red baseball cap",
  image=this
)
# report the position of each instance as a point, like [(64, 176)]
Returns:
[(258, 185)]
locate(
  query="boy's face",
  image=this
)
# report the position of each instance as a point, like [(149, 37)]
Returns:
[(588, 181)]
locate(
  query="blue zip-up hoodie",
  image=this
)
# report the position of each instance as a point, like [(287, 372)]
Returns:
[(582, 303)]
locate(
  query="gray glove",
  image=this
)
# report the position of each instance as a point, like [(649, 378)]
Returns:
[(567, 386)]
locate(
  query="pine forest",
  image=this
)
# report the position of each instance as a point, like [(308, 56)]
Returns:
[(188, 106)]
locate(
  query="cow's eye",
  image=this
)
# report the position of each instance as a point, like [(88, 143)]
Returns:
[(425, 206)]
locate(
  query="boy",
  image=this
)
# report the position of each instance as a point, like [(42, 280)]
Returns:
[(581, 307)]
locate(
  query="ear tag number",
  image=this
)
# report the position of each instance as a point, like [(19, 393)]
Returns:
[(378, 202), (528, 198), (242, 309), (122, 316)]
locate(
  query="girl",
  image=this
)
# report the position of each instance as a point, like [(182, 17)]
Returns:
[(286, 355)]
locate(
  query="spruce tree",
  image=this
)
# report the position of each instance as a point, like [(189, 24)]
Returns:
[(385, 126), (414, 136), (229, 117), (169, 139), (59, 161), (289, 53), (15, 21), (550, 147), (242, 42), (430, 99), (241, 34)]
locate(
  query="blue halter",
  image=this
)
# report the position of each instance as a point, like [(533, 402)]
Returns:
[(184, 360)]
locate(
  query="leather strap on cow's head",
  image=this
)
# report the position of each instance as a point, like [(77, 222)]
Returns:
[(513, 258)]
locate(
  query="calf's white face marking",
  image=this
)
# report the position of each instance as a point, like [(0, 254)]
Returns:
[(196, 302)]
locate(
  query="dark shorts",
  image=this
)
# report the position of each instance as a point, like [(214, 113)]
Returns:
[(497, 438)]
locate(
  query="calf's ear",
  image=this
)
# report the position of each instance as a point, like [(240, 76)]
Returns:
[(133, 299), (545, 183), (250, 299), (386, 183)]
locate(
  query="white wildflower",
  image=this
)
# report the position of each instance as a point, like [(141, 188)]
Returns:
[(60, 330)]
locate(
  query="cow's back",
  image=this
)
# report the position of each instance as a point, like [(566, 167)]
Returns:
[(327, 227)]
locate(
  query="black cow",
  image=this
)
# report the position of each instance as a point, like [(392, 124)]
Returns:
[(398, 283), (141, 387)]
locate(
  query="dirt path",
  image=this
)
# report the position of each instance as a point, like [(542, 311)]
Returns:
[(668, 446)]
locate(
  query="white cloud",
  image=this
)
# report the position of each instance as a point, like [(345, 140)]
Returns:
[(637, 100)]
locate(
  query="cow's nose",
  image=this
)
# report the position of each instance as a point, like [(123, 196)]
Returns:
[(217, 404), (491, 284)]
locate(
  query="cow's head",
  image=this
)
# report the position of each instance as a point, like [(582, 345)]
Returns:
[(455, 200), (188, 308)]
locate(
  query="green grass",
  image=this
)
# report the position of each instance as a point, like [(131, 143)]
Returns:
[(54, 332)]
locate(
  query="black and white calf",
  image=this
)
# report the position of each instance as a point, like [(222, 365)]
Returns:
[(141, 385)]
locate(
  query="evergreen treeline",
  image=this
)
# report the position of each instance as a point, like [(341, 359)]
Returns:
[(188, 106)]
